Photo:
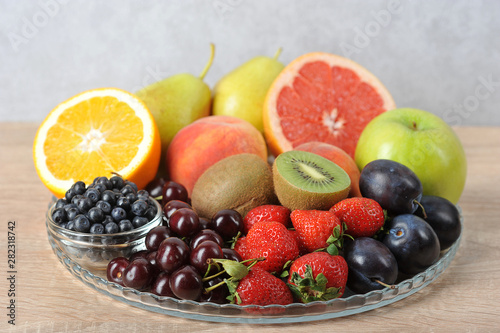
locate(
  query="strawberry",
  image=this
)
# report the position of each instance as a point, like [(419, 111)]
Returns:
[(318, 276), (363, 217), (316, 229), (260, 287), (272, 241), (266, 213), (302, 249), (240, 246)]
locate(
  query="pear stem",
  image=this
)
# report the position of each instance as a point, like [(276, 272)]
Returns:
[(277, 54), (209, 64)]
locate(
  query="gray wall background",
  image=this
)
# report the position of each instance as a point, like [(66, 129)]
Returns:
[(441, 56)]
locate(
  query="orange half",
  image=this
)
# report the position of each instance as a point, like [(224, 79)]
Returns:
[(97, 133), (322, 97)]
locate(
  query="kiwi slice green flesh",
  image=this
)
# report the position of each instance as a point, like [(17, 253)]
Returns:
[(305, 180)]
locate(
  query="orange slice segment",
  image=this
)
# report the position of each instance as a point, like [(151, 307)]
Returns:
[(97, 133), (322, 97)]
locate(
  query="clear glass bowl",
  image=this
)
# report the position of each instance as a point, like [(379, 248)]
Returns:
[(349, 304), (93, 252)]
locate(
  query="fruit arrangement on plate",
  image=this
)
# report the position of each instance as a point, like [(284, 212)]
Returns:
[(298, 184)]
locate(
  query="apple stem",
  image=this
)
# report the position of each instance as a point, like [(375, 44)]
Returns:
[(414, 125), (209, 64), (277, 54)]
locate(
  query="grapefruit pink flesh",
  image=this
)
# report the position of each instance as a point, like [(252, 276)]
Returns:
[(322, 97)]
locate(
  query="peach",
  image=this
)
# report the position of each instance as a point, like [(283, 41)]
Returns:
[(339, 157), (208, 140)]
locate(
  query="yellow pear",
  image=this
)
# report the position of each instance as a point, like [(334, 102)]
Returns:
[(241, 93), (177, 101)]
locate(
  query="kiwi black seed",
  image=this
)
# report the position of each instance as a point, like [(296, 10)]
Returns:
[(240, 182), (304, 180)]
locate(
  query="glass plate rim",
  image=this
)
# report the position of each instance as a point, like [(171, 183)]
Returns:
[(369, 301)]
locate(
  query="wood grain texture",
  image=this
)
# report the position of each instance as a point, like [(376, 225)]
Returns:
[(49, 299)]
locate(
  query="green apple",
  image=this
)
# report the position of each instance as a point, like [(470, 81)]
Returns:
[(423, 142)]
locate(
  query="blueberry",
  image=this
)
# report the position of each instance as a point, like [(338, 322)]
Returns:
[(139, 221), (72, 212), (59, 216), (93, 194), (111, 228), (69, 205), (97, 229), (79, 187), (143, 195), (127, 189), (132, 184), (150, 213), (139, 207), (104, 206), (118, 214), (60, 203), (124, 203), (100, 187), (82, 223), (125, 225), (69, 194), (109, 196), (117, 182), (84, 204), (131, 197), (105, 181), (76, 198), (70, 225), (95, 215), (108, 219)]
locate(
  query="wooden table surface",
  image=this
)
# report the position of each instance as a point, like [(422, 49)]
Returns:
[(466, 297)]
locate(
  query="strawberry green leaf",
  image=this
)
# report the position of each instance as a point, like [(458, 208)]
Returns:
[(336, 232), (235, 269), (332, 249), (232, 285), (308, 289)]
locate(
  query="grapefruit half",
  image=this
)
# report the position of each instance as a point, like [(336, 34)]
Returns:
[(322, 97)]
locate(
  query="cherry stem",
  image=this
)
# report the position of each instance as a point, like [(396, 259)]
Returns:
[(209, 289), (255, 260), (209, 64), (208, 278)]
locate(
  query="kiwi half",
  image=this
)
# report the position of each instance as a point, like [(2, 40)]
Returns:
[(240, 182), (304, 180)]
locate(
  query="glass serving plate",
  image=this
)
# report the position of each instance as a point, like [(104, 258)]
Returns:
[(349, 304)]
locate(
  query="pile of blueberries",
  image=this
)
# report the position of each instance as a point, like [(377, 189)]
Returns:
[(107, 206)]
